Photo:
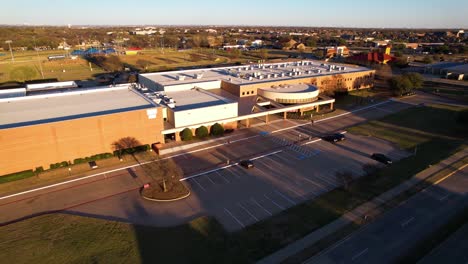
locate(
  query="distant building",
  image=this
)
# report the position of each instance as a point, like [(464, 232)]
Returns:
[(338, 51), (381, 56), (257, 43)]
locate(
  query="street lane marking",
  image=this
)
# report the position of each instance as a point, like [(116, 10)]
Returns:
[(248, 212), (360, 254), (450, 174), (264, 209), (235, 218), (279, 206), (406, 222)]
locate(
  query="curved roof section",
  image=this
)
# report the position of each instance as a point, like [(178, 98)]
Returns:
[(298, 92)]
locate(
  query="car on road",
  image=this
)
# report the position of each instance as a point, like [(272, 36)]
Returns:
[(334, 137), (248, 164), (381, 158)]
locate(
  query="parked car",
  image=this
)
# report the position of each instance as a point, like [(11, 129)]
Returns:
[(248, 164), (334, 137), (93, 165), (381, 158)]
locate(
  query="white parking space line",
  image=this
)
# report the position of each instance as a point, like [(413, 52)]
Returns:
[(264, 209), (406, 222), (195, 180), (222, 176), (275, 203), (247, 211), (360, 254), (233, 217), (444, 197), (230, 170), (284, 197), (283, 159), (208, 176)]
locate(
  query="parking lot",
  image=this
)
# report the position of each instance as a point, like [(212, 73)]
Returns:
[(284, 178)]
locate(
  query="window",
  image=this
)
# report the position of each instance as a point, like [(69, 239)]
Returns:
[(243, 93)]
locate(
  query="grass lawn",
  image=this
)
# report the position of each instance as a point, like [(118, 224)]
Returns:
[(56, 238), (360, 98)]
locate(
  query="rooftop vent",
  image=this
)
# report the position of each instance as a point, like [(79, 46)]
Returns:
[(180, 77)]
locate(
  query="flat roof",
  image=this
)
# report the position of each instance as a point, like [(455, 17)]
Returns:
[(259, 73), (40, 109), (196, 98), (291, 88)]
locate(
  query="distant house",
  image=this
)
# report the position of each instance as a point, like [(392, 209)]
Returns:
[(338, 51), (257, 43), (382, 56)]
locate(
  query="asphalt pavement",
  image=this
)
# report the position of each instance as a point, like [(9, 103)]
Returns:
[(392, 235)]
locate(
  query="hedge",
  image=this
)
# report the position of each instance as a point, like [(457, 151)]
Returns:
[(16, 176), (59, 165), (92, 158), (201, 132), (186, 134), (217, 130)]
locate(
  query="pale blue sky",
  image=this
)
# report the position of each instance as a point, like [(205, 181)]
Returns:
[(315, 13)]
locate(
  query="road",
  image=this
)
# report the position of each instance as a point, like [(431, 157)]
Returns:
[(391, 235), (453, 250)]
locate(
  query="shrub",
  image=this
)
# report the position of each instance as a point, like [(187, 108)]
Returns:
[(217, 130), (201, 132), (16, 176), (186, 134), (39, 169)]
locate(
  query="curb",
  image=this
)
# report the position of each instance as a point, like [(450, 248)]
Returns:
[(168, 200)]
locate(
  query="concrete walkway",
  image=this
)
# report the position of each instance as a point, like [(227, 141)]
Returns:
[(358, 213)]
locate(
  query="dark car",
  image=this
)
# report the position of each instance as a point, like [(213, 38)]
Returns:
[(334, 137), (93, 165), (248, 164), (381, 158)]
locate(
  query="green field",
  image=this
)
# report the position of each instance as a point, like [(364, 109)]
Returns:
[(28, 64)]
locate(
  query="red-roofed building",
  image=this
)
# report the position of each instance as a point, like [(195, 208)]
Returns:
[(382, 56)]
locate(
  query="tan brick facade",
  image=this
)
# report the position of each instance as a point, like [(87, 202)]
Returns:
[(345, 81), (28, 147)]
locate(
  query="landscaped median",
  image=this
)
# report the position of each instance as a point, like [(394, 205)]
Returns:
[(165, 191), (433, 133)]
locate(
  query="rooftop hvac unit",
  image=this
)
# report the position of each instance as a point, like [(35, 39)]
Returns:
[(275, 75), (344, 68), (319, 71), (144, 89), (282, 74), (171, 105), (198, 75), (157, 100), (260, 77), (250, 78), (271, 66), (180, 77), (263, 67), (290, 73)]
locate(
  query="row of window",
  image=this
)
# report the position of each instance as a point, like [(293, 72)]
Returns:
[(295, 101), (248, 92)]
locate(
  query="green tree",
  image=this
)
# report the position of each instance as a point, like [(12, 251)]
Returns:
[(217, 130), (201, 132), (415, 78), (186, 134)]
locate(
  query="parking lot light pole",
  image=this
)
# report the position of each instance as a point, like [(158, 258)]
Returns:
[(69, 171), (11, 51)]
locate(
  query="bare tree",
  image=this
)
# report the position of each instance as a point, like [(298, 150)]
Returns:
[(126, 144)]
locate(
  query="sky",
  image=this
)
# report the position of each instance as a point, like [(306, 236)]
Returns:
[(309, 13)]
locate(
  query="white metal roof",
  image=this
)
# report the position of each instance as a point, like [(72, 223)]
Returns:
[(31, 110), (259, 73), (196, 98)]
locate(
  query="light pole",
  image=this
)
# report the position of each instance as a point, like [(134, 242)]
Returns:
[(9, 46), (69, 171), (38, 59)]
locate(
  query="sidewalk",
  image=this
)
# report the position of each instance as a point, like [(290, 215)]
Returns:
[(359, 212)]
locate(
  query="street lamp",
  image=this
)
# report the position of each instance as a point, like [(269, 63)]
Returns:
[(9, 46), (69, 171)]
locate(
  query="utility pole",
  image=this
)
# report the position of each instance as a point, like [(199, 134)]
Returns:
[(39, 60), (9, 46)]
